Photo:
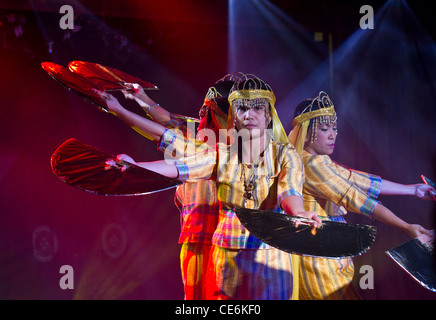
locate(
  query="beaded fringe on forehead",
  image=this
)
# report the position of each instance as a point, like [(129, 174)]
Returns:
[(325, 114)]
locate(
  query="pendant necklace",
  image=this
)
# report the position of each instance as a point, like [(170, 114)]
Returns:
[(248, 184)]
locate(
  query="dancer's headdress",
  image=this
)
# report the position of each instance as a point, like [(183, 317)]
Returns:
[(249, 90), (216, 103), (320, 109)]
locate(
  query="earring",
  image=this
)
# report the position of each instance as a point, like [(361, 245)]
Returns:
[(314, 128)]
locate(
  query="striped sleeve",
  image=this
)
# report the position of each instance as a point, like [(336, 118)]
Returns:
[(187, 125), (175, 145), (290, 179), (193, 162), (324, 179), (369, 183), (200, 166)]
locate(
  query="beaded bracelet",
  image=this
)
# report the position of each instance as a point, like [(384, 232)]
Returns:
[(152, 106)]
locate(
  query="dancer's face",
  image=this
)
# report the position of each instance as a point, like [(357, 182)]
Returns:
[(325, 139), (253, 118)]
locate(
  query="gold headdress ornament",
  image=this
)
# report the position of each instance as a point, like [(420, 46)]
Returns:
[(256, 91), (325, 113), (210, 102)]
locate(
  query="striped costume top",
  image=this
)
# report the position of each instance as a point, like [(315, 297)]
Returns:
[(197, 202), (331, 189), (276, 177)]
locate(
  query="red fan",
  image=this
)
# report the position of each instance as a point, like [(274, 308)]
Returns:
[(95, 171), (109, 79), (82, 77), (75, 82)]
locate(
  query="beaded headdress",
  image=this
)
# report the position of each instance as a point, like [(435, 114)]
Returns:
[(250, 90), (321, 110), (216, 103)]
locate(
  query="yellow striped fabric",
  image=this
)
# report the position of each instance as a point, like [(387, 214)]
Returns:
[(279, 175), (330, 190), (249, 274)]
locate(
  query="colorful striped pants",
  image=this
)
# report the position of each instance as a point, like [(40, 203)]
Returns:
[(327, 279), (215, 273)]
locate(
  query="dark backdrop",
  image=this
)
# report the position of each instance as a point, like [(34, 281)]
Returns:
[(382, 82)]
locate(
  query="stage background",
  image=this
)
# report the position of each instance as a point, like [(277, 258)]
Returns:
[(381, 80)]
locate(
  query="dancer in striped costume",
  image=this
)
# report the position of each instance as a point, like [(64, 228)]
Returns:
[(263, 172), (331, 190)]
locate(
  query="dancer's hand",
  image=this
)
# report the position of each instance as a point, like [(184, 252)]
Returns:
[(117, 162), (424, 191), (416, 230), (125, 157), (133, 91), (313, 218), (112, 103)]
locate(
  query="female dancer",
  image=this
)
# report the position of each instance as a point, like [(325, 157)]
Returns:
[(261, 172), (330, 190)]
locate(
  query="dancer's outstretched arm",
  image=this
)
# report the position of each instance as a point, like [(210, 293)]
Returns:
[(144, 126), (420, 190), (153, 109), (163, 167), (386, 216)]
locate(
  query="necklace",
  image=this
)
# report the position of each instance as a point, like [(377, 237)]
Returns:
[(248, 184)]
